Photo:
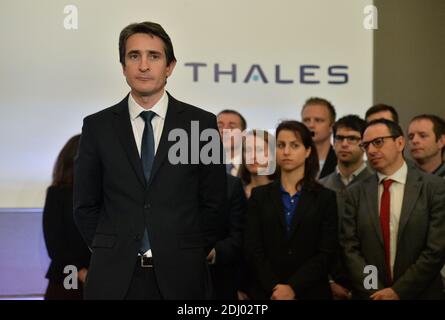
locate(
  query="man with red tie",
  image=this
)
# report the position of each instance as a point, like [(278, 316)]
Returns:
[(394, 221)]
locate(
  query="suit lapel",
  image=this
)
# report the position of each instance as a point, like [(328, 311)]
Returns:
[(412, 191), (277, 203), (124, 130), (371, 194), (171, 122)]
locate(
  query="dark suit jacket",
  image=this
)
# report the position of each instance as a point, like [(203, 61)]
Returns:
[(225, 271), (63, 241), (329, 165), (420, 241), (303, 259), (181, 205)]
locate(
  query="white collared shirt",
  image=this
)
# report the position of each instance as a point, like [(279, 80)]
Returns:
[(138, 124), (397, 191), (347, 180)]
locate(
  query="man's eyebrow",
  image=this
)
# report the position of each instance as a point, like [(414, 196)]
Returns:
[(133, 51), (139, 51)]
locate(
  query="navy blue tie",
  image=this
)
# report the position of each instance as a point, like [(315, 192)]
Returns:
[(147, 157)]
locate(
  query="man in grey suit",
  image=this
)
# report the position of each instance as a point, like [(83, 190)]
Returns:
[(351, 169), (426, 142), (394, 221)]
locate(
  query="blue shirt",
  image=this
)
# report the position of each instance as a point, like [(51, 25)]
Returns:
[(289, 204)]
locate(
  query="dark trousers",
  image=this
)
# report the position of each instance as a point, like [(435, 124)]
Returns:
[(143, 284)]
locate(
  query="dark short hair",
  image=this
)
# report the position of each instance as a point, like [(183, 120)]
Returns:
[(243, 121), (380, 108), (323, 102), (394, 128), (150, 28), (352, 122), (311, 164), (438, 123), (63, 171)]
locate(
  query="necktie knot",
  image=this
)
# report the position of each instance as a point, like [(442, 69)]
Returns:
[(147, 116), (387, 183)]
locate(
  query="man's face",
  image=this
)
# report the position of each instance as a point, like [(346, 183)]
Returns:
[(146, 68), (229, 122), (317, 119), (388, 152), (346, 146), (380, 115), (422, 141)]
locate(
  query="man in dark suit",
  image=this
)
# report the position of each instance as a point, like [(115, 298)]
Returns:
[(395, 222), (318, 115), (149, 220), (225, 258)]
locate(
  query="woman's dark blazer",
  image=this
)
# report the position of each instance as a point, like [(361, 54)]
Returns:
[(301, 259), (63, 241)]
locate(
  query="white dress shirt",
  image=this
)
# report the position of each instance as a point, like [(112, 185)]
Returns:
[(138, 124), (397, 191)]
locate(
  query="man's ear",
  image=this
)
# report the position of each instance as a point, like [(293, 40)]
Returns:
[(400, 141), (170, 68)]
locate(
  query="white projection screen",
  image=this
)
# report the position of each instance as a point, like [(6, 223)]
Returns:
[(262, 58)]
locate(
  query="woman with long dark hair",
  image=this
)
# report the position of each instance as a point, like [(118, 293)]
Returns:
[(291, 232), (258, 161), (63, 241)]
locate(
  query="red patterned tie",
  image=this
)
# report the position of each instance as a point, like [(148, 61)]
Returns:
[(384, 223)]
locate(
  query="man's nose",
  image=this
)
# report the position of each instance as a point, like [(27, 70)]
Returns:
[(144, 64)]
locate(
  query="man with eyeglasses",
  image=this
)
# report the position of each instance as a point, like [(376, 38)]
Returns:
[(351, 169), (394, 221)]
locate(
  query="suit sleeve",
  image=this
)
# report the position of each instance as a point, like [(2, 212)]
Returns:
[(254, 246), (88, 199), (228, 250), (317, 267), (350, 244), (431, 259), (212, 189)]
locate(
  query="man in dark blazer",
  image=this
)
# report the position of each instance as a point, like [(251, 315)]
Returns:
[(149, 220), (395, 222), (225, 258), (319, 115)]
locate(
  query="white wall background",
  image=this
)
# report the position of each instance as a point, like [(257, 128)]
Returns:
[(50, 77)]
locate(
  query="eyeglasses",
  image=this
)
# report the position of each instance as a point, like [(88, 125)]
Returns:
[(349, 139), (377, 142)]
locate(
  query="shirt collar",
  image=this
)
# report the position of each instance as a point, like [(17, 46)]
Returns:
[(398, 176), (160, 108), (283, 192), (355, 173)]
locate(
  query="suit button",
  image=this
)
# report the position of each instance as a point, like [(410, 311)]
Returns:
[(147, 206), (289, 252), (137, 237)]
